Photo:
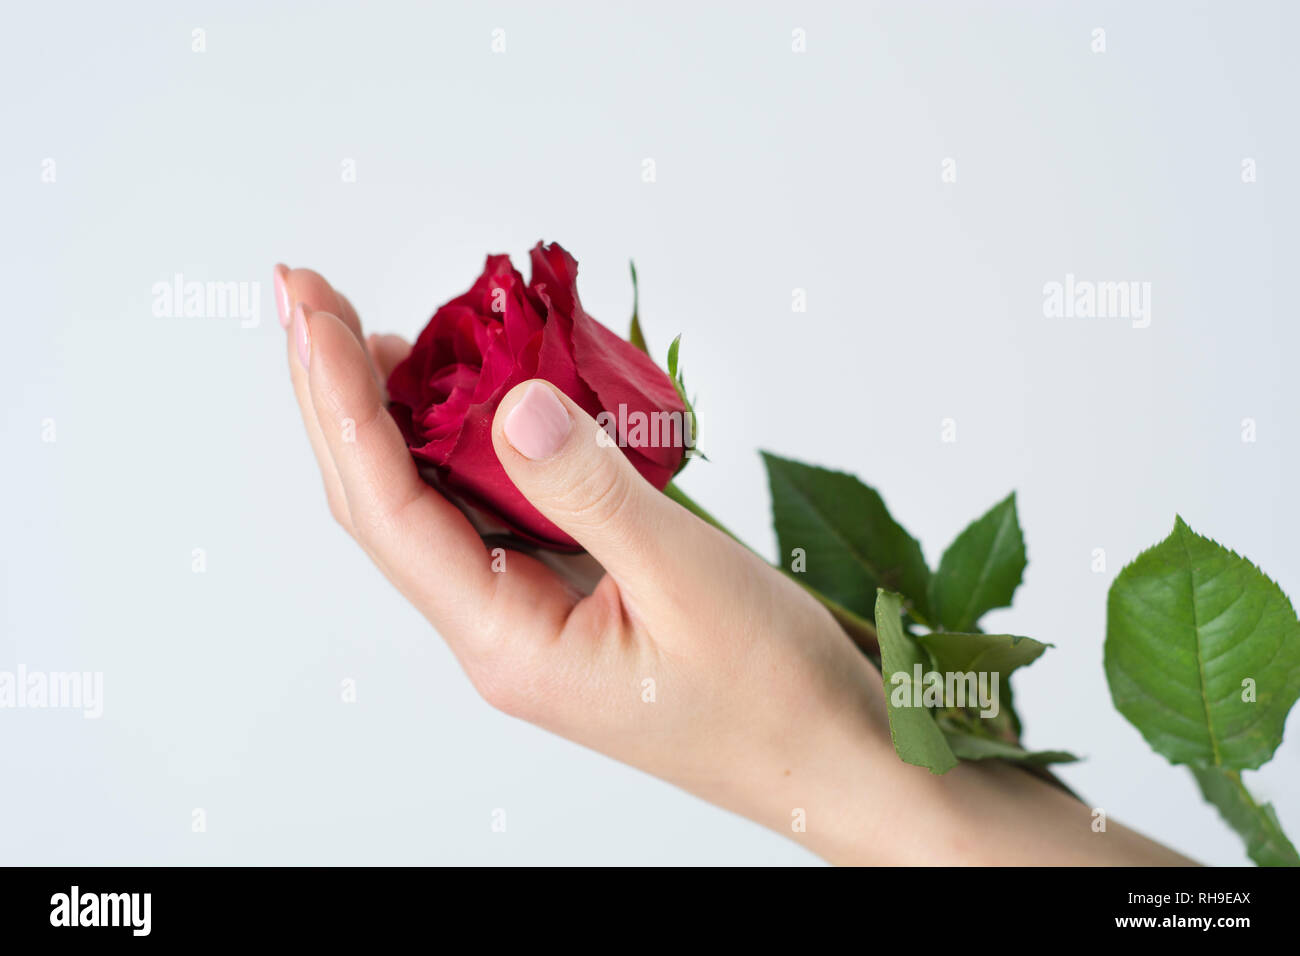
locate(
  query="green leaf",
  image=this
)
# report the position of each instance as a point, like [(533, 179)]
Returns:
[(1202, 653), (635, 335), (985, 653), (1258, 825), (851, 544), (980, 570), (981, 652), (968, 746), (916, 735)]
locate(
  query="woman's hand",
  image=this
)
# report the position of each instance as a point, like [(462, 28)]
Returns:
[(691, 658)]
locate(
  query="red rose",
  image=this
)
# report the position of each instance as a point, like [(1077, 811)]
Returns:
[(503, 332)]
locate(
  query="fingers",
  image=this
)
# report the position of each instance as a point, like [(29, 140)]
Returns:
[(386, 351), (291, 287), (567, 467), (314, 293), (312, 290), (317, 295), (422, 543)]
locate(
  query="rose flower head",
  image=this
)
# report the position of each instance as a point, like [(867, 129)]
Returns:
[(504, 331)]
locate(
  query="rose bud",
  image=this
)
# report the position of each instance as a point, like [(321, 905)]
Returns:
[(504, 331)]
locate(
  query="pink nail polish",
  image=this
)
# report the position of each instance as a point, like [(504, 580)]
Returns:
[(538, 425), (282, 295), (302, 335)]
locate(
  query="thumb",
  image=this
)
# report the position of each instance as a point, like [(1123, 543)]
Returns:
[(569, 469)]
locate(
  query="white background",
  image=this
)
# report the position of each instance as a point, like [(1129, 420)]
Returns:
[(775, 171)]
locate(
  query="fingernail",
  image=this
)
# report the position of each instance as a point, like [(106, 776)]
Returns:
[(282, 295), (302, 334), (538, 425)]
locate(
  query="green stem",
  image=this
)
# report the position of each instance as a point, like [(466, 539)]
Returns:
[(859, 628)]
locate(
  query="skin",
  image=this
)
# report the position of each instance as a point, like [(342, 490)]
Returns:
[(762, 705)]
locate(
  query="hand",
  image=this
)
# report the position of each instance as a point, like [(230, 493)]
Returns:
[(690, 659)]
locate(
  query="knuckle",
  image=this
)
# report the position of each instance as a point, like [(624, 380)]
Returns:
[(331, 400), (600, 495), (338, 509), (375, 519), (499, 683), (368, 527), (504, 670)]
